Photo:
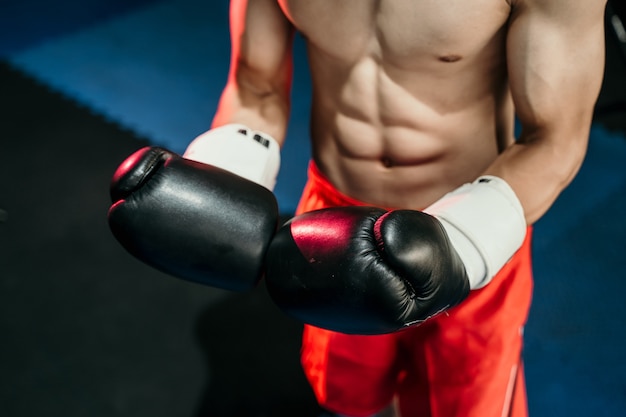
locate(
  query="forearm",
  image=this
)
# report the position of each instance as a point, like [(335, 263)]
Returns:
[(265, 109), (259, 81), (538, 167)]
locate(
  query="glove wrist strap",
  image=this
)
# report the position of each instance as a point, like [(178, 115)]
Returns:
[(486, 225), (240, 150)]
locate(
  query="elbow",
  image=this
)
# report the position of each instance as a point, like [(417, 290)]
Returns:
[(260, 81), (569, 152), (577, 154), (566, 141)]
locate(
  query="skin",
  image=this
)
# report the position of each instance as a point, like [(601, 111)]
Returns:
[(413, 99)]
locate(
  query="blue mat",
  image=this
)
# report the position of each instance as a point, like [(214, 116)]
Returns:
[(575, 335), (26, 23), (158, 68)]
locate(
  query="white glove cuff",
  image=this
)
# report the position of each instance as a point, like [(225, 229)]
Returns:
[(240, 150), (486, 225)]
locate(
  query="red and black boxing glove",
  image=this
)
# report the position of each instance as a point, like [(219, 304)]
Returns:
[(363, 270)]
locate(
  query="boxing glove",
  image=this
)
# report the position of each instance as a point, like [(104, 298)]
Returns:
[(198, 221), (364, 270)]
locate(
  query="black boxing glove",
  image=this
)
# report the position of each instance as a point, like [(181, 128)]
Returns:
[(364, 270), (195, 220)]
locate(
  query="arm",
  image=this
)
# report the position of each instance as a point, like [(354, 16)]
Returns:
[(254, 106), (556, 59), (176, 214), (258, 87)]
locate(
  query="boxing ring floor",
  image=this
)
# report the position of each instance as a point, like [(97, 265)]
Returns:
[(87, 330)]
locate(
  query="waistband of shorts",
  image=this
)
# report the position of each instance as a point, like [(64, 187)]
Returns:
[(325, 188)]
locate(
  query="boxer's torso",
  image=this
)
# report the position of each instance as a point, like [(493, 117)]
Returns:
[(410, 98)]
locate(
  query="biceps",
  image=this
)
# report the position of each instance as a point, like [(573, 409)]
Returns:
[(555, 69)]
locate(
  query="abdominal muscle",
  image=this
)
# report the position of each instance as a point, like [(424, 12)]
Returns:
[(402, 138)]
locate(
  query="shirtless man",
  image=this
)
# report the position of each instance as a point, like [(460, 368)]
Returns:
[(411, 100)]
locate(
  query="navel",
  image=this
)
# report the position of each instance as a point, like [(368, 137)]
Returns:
[(386, 162), (450, 58)]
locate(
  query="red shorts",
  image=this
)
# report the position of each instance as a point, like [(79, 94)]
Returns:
[(465, 362)]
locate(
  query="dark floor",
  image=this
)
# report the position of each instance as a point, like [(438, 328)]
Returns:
[(89, 331), (611, 106)]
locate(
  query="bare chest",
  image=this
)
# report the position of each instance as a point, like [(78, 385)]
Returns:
[(401, 32)]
